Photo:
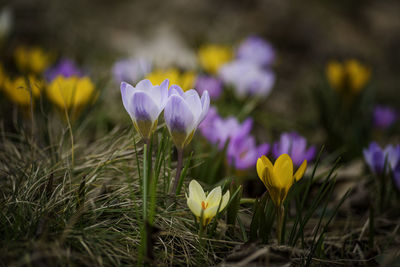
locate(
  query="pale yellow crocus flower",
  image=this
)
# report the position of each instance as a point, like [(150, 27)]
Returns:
[(206, 207)]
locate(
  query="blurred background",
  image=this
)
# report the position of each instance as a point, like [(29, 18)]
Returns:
[(305, 35)]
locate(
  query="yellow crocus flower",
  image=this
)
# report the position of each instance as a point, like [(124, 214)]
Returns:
[(206, 207), (185, 80), (349, 77), (18, 90), (33, 59), (212, 57), (279, 178), (72, 92)]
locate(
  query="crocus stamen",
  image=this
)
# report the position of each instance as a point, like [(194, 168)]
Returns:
[(204, 205)]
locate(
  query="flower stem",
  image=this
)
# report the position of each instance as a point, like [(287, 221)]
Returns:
[(178, 171), (280, 211), (145, 180)]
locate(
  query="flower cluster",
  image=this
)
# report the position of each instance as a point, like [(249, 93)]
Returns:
[(64, 83), (249, 73), (242, 151), (183, 111)]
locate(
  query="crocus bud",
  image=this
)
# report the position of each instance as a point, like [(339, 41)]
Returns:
[(183, 112), (144, 103)]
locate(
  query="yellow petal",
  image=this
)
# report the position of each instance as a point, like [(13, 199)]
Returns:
[(300, 171), (225, 200), (194, 206), (214, 197), (283, 172), (208, 214), (262, 163), (196, 192)]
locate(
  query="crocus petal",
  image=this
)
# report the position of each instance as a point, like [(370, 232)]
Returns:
[(262, 164), (127, 91), (214, 197), (205, 103), (193, 100), (144, 85), (225, 200), (159, 93), (209, 213), (143, 108), (300, 171), (196, 192), (194, 206), (175, 90), (283, 171), (179, 119)]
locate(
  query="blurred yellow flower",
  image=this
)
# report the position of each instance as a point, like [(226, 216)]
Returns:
[(18, 91), (33, 59), (349, 77), (279, 178), (212, 57), (185, 79), (206, 207), (72, 92)]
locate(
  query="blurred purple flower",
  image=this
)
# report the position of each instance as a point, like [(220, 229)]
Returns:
[(211, 84), (384, 117), (375, 157), (256, 50), (247, 78), (295, 146), (396, 176), (65, 67), (243, 153), (207, 126), (131, 70), (184, 112)]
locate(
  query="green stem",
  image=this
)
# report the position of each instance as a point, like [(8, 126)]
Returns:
[(145, 180), (280, 212)]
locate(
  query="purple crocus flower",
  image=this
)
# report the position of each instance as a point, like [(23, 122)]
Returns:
[(256, 50), (144, 103), (375, 157), (295, 146), (131, 70), (65, 67), (243, 153), (247, 78), (230, 128), (384, 117), (183, 113), (207, 125), (211, 84)]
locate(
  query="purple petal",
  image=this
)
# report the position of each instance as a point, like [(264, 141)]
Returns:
[(143, 108), (144, 85), (178, 116), (127, 91)]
